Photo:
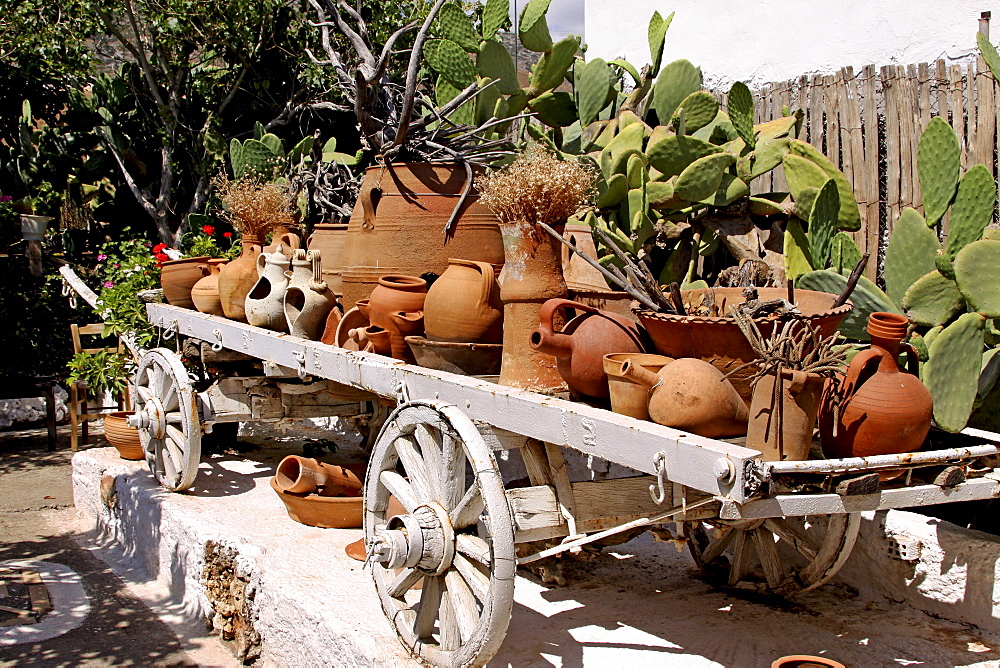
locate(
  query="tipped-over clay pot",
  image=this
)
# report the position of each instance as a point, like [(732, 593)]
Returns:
[(692, 395), (299, 475), (627, 396)]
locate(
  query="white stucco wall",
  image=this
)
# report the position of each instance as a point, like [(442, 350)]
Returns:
[(758, 41)]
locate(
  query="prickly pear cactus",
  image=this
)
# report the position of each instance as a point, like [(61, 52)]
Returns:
[(977, 268), (823, 224), (591, 83), (496, 17), (672, 154), (910, 253), (939, 159), (699, 110), (450, 61), (701, 179), (844, 254), (850, 217), (867, 299), (455, 24), (495, 62), (676, 81), (740, 103), (972, 210), (932, 300), (952, 370)]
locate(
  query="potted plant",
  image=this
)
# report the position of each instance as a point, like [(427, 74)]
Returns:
[(102, 373)]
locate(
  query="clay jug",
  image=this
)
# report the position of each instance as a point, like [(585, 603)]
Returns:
[(463, 305), (177, 277), (285, 237), (205, 293), (237, 278), (581, 276), (580, 347), (329, 239), (301, 269), (396, 295), (264, 305), (372, 338), (783, 430), (692, 395), (882, 410), (300, 475), (627, 396), (307, 307)]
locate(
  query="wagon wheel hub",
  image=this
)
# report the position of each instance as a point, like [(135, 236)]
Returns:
[(153, 418), (423, 539)]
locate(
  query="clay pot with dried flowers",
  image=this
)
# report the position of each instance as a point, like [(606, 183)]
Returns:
[(535, 188), (253, 207)]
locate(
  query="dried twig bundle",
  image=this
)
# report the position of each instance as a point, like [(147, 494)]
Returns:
[(538, 187), (254, 206)]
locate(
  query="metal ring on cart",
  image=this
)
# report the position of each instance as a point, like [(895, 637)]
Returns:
[(455, 538)]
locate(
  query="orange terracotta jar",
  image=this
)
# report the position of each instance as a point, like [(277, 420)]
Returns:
[(237, 278), (463, 305), (177, 277), (878, 409), (205, 293), (397, 306)]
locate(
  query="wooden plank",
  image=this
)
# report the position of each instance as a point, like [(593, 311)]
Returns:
[(907, 138), (536, 462), (957, 93), (985, 118), (782, 99), (832, 120), (817, 121), (802, 103), (941, 86), (869, 88), (924, 115), (762, 114), (971, 117), (863, 185), (889, 85)]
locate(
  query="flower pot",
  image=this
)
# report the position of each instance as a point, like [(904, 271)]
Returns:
[(783, 429), (398, 222), (237, 278), (627, 396), (308, 300), (463, 305), (123, 437), (329, 512), (177, 277), (205, 293), (33, 227), (805, 661), (719, 340)]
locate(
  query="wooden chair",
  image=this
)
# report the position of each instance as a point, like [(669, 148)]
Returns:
[(79, 415)]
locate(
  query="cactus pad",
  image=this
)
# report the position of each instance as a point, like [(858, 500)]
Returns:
[(236, 158), (551, 68), (798, 255), (450, 61), (532, 28), (972, 209), (455, 24), (496, 17), (977, 267), (554, 108), (699, 108), (910, 253), (612, 191), (850, 216), (952, 370), (932, 300), (823, 223), (675, 82), (591, 84), (701, 179), (802, 173), (740, 104), (867, 299), (938, 164), (730, 189), (844, 253), (495, 62), (672, 154), (657, 33)]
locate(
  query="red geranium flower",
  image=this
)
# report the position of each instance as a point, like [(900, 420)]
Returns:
[(161, 257), (158, 248), (209, 230), (227, 234)]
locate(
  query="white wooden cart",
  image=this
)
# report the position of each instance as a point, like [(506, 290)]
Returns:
[(445, 569)]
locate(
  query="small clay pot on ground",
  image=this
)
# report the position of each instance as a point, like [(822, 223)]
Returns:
[(301, 475), (329, 512)]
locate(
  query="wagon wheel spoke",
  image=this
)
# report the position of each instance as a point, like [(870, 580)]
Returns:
[(721, 537), (169, 401), (478, 581), (741, 557), (768, 554), (791, 535), (416, 470), (453, 463), (176, 417), (143, 392), (463, 602), (427, 610), (431, 455), (467, 511), (404, 582), (400, 488), (451, 636), (473, 547)]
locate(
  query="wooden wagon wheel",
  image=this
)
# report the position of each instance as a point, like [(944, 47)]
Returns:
[(166, 414), (793, 554), (456, 539)]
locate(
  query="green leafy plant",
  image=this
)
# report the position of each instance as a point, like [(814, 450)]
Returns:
[(102, 371), (207, 240), (126, 268)]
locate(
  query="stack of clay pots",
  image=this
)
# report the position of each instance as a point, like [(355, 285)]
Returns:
[(319, 494)]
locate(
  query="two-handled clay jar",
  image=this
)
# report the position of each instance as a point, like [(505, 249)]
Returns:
[(580, 347)]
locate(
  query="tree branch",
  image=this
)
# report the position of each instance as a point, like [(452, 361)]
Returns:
[(411, 74)]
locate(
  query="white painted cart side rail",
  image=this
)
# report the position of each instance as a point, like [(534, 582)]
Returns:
[(849, 464), (689, 460), (77, 285)]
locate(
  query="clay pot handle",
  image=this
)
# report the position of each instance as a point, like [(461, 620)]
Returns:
[(797, 381), (489, 280), (261, 263), (315, 257), (205, 269), (912, 359), (369, 203), (549, 308), (860, 364)]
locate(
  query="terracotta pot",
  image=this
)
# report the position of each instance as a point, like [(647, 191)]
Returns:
[(265, 301), (177, 277), (397, 226), (719, 340), (532, 274), (627, 396), (205, 293), (805, 661), (579, 274), (286, 237), (353, 319), (329, 240), (580, 347), (692, 395), (613, 301), (308, 306), (463, 305), (396, 305), (329, 335), (784, 430), (237, 278), (300, 475), (882, 410), (329, 512), (467, 359), (124, 438)]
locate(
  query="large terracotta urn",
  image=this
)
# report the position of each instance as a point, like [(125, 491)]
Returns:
[(463, 305), (398, 226), (879, 409), (177, 277), (205, 293), (237, 278)]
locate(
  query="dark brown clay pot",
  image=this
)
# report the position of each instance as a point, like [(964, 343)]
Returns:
[(692, 395), (463, 305), (205, 293), (177, 277), (329, 512), (237, 278), (627, 396), (124, 438), (468, 359), (882, 409), (396, 226), (301, 475), (396, 305), (580, 347), (784, 431), (719, 340), (329, 240)]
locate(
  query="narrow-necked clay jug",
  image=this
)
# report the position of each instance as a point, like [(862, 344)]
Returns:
[(396, 305), (264, 305), (580, 347), (878, 409), (692, 395), (237, 278), (463, 305), (307, 306), (627, 396), (301, 269), (205, 293), (301, 475), (285, 237)]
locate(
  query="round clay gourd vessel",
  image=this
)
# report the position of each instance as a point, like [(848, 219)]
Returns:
[(123, 437), (205, 293), (177, 277), (627, 396), (463, 305)]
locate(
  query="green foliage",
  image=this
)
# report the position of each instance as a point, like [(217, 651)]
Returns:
[(740, 102), (127, 268), (675, 82), (909, 254), (103, 371), (955, 359), (938, 166)]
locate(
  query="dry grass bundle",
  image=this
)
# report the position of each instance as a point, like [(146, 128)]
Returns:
[(254, 206), (538, 187)]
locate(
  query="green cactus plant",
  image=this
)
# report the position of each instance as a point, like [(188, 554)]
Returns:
[(938, 166), (955, 359), (932, 300), (977, 267)]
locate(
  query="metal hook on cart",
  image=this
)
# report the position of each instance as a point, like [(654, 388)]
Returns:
[(217, 346), (170, 331), (657, 491), (402, 393), (300, 359)]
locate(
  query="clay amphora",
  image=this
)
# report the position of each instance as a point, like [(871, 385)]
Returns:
[(396, 295), (205, 293), (692, 395), (627, 396), (300, 475), (307, 307), (784, 431), (237, 278), (177, 277), (580, 347), (882, 409), (285, 237), (463, 305), (264, 305)]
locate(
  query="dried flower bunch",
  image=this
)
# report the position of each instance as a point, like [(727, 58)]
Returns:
[(254, 206), (538, 187)]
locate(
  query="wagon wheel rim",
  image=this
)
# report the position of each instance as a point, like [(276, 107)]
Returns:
[(455, 539), (169, 424), (789, 555)]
